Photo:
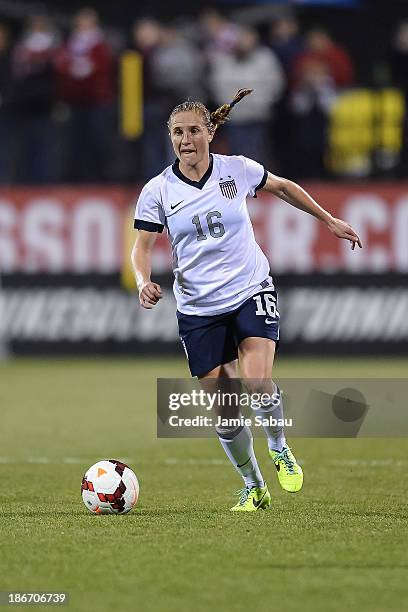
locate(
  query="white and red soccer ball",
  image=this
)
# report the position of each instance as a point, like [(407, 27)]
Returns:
[(110, 487)]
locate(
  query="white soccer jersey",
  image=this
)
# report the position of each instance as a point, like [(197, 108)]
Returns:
[(216, 261)]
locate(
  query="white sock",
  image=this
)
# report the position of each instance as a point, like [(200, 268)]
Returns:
[(238, 446), (274, 433)]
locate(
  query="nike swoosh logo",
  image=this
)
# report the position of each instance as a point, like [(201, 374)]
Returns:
[(269, 321), (172, 206), (256, 503)]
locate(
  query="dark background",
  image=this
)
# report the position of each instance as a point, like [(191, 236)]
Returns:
[(365, 27)]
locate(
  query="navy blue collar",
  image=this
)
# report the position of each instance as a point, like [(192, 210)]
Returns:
[(198, 184)]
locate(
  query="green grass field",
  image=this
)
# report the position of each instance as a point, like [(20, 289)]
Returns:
[(341, 544)]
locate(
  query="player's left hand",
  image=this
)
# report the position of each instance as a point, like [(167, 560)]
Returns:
[(341, 229)]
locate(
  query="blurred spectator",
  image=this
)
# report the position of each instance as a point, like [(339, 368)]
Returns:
[(288, 44), (221, 35), (399, 57), (318, 73), (310, 103), (285, 41), (146, 35), (86, 82), (321, 48), (32, 99), (399, 72), (173, 71), (256, 67), (5, 116), (177, 68)]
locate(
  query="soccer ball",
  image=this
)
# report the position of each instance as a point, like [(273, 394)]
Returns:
[(109, 487)]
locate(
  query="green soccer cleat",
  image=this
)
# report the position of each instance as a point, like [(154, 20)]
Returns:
[(290, 473), (251, 499)]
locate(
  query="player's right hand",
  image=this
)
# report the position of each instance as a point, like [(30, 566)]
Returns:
[(150, 294)]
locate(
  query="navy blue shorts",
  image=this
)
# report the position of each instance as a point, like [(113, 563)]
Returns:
[(212, 341)]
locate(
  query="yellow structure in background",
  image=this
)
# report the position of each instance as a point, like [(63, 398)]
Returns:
[(390, 110), (131, 99), (127, 277), (364, 123), (131, 107)]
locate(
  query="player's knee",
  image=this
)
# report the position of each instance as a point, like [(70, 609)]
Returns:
[(229, 370)]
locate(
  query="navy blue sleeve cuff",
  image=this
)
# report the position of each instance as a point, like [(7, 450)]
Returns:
[(148, 226), (262, 183)]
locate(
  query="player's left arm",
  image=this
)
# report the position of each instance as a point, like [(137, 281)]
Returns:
[(296, 196)]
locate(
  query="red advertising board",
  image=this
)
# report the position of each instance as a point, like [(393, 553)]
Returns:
[(89, 229)]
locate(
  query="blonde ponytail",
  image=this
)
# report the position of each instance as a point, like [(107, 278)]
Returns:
[(220, 115)]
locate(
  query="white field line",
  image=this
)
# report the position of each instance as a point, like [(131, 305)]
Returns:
[(335, 462), (80, 460), (173, 461), (196, 461), (369, 463), (56, 460)]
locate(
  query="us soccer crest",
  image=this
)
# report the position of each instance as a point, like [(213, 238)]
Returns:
[(228, 188)]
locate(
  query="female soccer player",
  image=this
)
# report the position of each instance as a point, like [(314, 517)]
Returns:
[(226, 301)]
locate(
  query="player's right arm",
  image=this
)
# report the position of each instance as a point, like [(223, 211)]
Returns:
[(149, 293)]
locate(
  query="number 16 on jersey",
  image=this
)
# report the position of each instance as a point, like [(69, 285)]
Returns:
[(266, 305)]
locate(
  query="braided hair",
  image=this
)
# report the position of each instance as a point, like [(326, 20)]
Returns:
[(214, 119)]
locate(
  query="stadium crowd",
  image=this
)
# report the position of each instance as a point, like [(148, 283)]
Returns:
[(59, 94)]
